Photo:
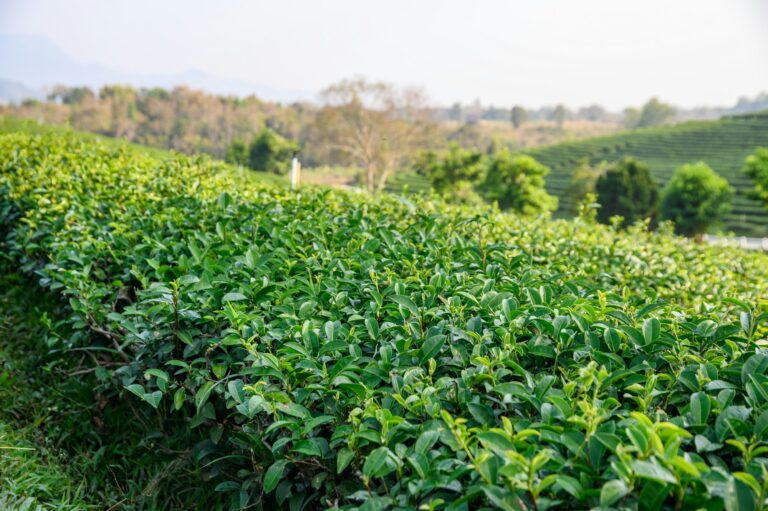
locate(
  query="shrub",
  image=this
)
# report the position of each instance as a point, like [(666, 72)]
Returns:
[(271, 152), (695, 198), (582, 183), (756, 167), (334, 350), (445, 170), (516, 182), (626, 189), (237, 154)]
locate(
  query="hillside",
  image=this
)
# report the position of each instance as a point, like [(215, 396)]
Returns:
[(723, 144), (16, 125), (322, 349)]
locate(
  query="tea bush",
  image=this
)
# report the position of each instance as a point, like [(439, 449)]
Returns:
[(344, 351)]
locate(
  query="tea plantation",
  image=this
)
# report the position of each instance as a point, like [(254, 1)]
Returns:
[(319, 349), (722, 144)]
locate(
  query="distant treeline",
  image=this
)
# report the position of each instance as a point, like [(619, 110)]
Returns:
[(661, 112), (182, 119), (373, 126), (370, 125)]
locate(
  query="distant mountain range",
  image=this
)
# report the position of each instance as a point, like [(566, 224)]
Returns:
[(14, 92), (31, 64)]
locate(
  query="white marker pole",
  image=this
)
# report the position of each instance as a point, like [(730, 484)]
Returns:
[(295, 172)]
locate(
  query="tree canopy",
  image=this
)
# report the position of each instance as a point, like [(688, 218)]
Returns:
[(695, 198), (756, 167), (653, 113), (374, 125), (271, 152), (516, 182), (626, 188)]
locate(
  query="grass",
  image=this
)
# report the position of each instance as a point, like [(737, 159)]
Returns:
[(33, 474), (65, 443)]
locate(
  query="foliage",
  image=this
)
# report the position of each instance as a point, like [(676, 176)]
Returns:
[(516, 182), (334, 350), (723, 145), (271, 153), (518, 116), (756, 167), (695, 198), (237, 154), (583, 180), (67, 441), (653, 113), (626, 189), (181, 118), (453, 166), (30, 480), (374, 125)]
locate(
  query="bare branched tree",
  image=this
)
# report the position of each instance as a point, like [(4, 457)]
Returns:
[(374, 125)]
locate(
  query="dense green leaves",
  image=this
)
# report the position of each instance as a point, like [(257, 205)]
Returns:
[(339, 350), (695, 198), (626, 189)]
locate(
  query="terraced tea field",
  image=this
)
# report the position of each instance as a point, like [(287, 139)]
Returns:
[(723, 144)]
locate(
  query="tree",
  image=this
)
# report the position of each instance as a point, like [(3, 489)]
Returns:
[(518, 116), (593, 113), (374, 125), (558, 115), (627, 189), (756, 167), (271, 153), (695, 198), (445, 170), (237, 153), (653, 113), (516, 182), (583, 180)]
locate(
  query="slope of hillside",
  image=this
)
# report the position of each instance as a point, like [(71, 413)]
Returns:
[(723, 144), (17, 125), (320, 349)]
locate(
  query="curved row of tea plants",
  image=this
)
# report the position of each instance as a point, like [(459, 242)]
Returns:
[(343, 351)]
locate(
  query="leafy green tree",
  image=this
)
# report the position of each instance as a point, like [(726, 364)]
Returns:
[(627, 189), (518, 116), (653, 113), (453, 174), (516, 182), (445, 170), (237, 153), (695, 198), (271, 152), (583, 180), (756, 167)]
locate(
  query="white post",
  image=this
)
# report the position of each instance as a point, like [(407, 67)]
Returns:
[(295, 172)]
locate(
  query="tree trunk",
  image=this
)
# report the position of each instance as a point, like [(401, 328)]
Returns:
[(370, 177), (382, 180)]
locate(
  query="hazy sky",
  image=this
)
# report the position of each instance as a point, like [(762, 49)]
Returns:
[(533, 52)]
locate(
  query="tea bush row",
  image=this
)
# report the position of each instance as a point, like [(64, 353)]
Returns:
[(346, 351)]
